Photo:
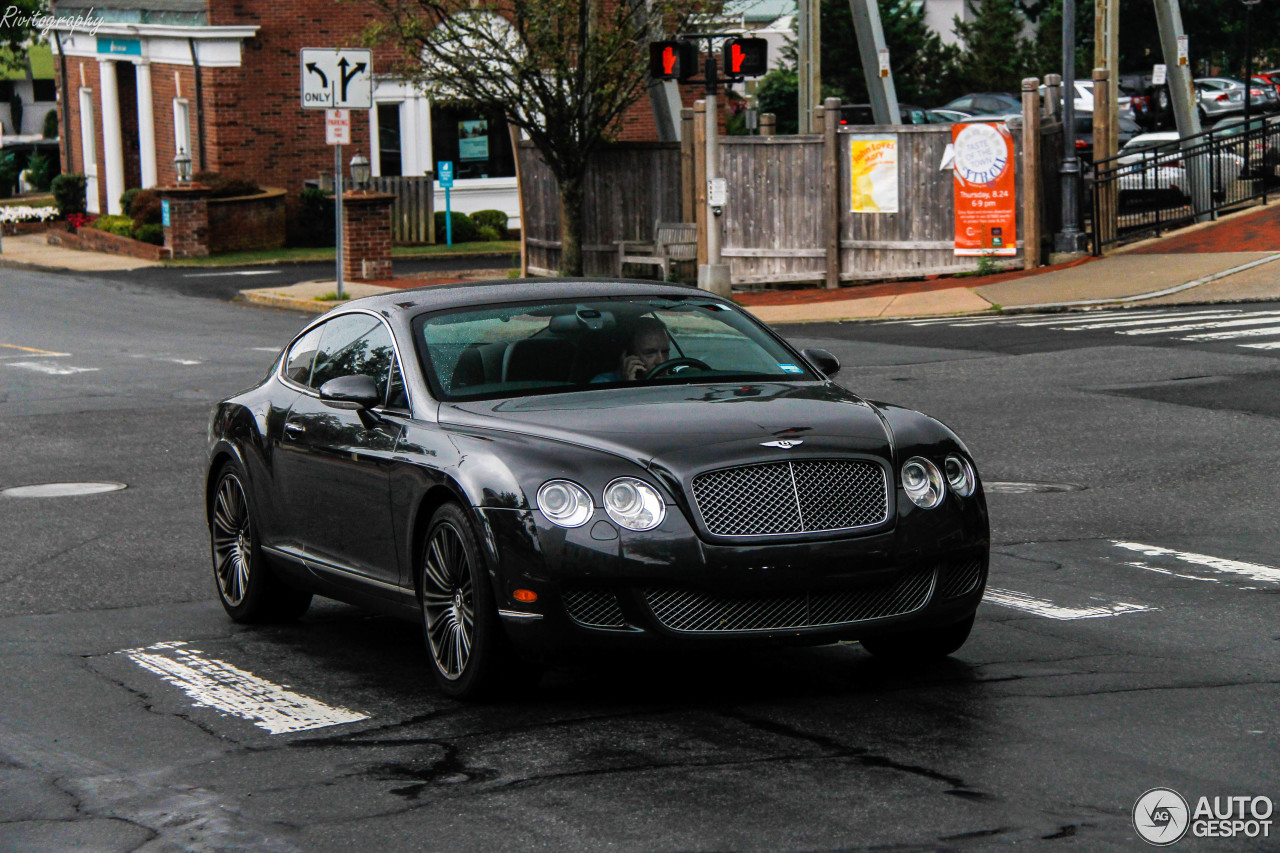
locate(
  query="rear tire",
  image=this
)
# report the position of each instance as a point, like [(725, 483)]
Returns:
[(920, 645), (247, 587), (471, 655)]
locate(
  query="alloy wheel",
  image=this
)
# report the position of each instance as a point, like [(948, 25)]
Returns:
[(448, 604), (232, 540)]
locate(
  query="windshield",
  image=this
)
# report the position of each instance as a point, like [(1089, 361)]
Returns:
[(523, 349)]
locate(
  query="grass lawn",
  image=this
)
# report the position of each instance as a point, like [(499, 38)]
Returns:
[(46, 200), (274, 256)]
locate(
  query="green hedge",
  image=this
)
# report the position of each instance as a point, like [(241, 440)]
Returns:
[(495, 219), (464, 229), (68, 193)]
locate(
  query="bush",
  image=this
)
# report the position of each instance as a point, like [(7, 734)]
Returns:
[(121, 226), (313, 224), (225, 186), (40, 171), (8, 173), (68, 193), (495, 219), (464, 230), (144, 207), (487, 233), (126, 199), (50, 125), (149, 232)]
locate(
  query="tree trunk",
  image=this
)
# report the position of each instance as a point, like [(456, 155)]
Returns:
[(571, 192)]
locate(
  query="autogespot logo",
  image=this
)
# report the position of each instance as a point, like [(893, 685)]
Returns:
[(1161, 817)]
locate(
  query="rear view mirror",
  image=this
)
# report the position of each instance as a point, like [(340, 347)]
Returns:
[(823, 360)]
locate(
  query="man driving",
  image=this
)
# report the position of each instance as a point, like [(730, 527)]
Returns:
[(646, 348)]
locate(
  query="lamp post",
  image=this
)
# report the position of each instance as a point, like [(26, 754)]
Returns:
[(1248, 82), (182, 166), (1070, 239), (359, 172)]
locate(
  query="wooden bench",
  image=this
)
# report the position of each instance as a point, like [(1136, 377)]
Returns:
[(672, 241)]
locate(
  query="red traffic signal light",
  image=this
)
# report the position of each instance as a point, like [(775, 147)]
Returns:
[(747, 57), (672, 60)]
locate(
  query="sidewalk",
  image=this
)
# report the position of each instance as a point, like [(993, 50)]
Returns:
[(1234, 259)]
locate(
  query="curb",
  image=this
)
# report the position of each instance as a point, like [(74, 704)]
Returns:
[(309, 306)]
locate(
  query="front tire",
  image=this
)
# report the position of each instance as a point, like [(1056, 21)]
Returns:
[(920, 645), (248, 589), (471, 656)]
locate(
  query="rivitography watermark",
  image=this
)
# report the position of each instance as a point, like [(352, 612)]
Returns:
[(16, 18)]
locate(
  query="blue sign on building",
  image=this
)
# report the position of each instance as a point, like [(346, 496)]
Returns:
[(164, 212), (119, 47)]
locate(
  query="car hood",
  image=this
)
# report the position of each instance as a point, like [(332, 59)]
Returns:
[(689, 427)]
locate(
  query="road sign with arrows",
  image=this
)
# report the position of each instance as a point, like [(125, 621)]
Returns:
[(337, 78)]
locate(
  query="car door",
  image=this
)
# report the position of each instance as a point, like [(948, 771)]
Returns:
[(335, 468)]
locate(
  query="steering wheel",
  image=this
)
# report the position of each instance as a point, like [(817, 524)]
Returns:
[(674, 365)]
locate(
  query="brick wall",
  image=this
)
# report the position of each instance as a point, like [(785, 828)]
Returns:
[(366, 236), (248, 223), (187, 234)]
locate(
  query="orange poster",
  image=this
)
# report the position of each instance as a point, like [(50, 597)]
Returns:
[(986, 218)]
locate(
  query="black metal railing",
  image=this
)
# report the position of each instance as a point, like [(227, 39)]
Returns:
[(1176, 182)]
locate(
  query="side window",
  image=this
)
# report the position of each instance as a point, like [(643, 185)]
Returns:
[(397, 397), (301, 355), (354, 344)]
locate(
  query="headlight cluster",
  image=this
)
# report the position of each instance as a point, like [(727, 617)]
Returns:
[(922, 480), (631, 503)]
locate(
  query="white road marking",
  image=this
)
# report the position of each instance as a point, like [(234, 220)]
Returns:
[(1217, 566), (1095, 317), (185, 361), (51, 369), (1268, 332), (266, 349), (1041, 607), (215, 684), (1268, 345), (1157, 321), (1257, 319), (233, 272)]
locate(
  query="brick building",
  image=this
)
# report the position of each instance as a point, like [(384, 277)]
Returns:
[(220, 79)]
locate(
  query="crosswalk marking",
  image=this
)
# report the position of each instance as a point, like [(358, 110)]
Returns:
[(1207, 324), (1210, 568), (51, 369), (216, 684), (1042, 607)]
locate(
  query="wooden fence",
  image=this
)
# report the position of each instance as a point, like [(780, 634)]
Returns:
[(412, 213), (784, 194)]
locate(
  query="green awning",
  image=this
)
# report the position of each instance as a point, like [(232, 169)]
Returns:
[(41, 56)]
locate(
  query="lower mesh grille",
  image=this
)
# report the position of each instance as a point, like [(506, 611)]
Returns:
[(682, 610), (959, 577), (594, 608)]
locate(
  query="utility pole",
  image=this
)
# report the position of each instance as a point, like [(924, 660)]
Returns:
[(871, 46), (1106, 54), (1185, 116), (1070, 240), (809, 61)]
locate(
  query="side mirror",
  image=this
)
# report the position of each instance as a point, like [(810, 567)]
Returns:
[(823, 360), (356, 392)]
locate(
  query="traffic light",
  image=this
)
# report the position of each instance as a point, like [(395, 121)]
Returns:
[(746, 57), (672, 60)]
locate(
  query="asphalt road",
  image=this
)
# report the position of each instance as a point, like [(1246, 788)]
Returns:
[(1129, 640)]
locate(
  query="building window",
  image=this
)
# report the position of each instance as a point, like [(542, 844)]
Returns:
[(389, 162), (475, 140), (44, 91), (181, 126)]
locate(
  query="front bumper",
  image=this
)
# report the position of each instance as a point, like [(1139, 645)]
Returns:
[(602, 588)]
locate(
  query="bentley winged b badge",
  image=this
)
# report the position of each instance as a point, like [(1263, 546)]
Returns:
[(784, 443)]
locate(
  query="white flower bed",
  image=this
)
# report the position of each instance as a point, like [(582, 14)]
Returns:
[(27, 213)]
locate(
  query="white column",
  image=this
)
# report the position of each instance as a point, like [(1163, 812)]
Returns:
[(409, 164), (112, 142), (146, 126), (375, 158)]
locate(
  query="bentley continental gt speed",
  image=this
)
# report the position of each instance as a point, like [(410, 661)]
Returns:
[(532, 469)]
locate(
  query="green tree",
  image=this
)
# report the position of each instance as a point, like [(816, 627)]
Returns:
[(995, 57), (563, 71), (17, 31), (924, 69)]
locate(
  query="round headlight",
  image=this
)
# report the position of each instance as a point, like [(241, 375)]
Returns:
[(634, 504), (565, 503), (922, 482), (960, 475)]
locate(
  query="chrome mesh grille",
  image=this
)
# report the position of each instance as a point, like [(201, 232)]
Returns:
[(959, 577), (682, 610), (805, 496), (594, 608)]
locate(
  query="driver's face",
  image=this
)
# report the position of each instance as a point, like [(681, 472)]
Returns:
[(652, 349)]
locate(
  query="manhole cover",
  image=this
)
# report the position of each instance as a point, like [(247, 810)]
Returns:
[(61, 490), (1030, 487)]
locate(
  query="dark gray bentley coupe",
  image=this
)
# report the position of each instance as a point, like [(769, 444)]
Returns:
[(531, 468)]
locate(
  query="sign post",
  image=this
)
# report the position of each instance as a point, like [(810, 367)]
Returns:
[(445, 170), (337, 80)]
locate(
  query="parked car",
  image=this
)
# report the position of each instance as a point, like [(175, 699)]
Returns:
[(1272, 77), (1221, 96), (859, 114), (1152, 168), (986, 103), (469, 457), (1264, 152), (943, 116)]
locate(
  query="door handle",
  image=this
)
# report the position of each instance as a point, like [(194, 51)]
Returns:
[(293, 429)]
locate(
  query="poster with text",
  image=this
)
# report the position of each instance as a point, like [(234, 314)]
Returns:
[(873, 172), (986, 217), (473, 140)]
